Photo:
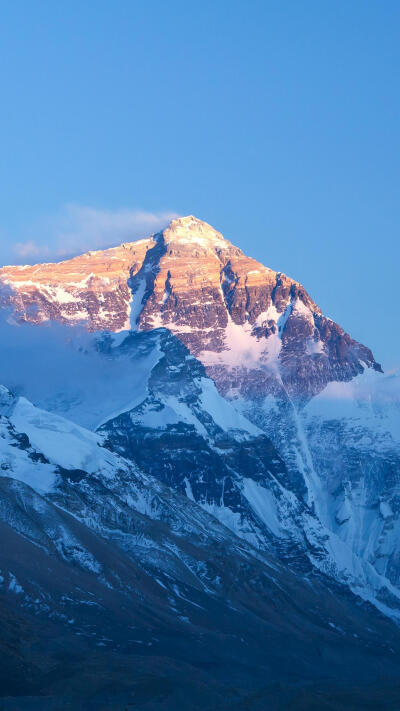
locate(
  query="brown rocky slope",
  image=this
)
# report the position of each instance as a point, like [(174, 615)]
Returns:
[(257, 331)]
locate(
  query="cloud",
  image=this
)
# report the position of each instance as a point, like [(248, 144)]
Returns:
[(78, 228), (58, 367), (29, 249)]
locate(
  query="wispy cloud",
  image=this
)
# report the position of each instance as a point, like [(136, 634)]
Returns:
[(78, 228), (28, 249)]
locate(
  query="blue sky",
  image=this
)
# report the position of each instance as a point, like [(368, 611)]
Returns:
[(277, 122)]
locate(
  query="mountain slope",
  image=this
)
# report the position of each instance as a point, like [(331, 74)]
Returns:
[(90, 288), (124, 583), (238, 316), (163, 413), (267, 464)]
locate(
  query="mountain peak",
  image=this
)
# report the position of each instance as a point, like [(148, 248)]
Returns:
[(228, 309), (190, 229)]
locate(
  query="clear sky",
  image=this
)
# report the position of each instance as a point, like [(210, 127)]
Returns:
[(275, 121)]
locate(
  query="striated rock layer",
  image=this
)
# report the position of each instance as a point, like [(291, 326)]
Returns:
[(92, 288), (257, 331)]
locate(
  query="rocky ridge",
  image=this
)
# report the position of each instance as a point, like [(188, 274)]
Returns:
[(274, 356), (257, 331), (114, 588)]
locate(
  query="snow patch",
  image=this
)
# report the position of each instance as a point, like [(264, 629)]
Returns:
[(223, 413), (14, 585), (314, 347), (60, 440), (136, 303), (263, 503)]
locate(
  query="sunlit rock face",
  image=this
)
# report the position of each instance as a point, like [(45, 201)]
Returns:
[(316, 480), (92, 288), (257, 331)]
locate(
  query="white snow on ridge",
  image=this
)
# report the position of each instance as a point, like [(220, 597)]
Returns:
[(136, 303), (60, 440), (262, 501), (16, 464), (299, 307), (241, 348), (246, 350), (371, 399), (230, 519), (170, 410), (62, 296), (189, 230), (223, 413), (314, 347)]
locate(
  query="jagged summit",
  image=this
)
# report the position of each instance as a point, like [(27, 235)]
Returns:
[(190, 229), (253, 328), (187, 223)]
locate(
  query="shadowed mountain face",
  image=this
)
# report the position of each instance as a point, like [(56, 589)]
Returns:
[(211, 483), (114, 587)]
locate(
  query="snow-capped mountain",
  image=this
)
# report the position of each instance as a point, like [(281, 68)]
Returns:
[(194, 369), (240, 318), (153, 403), (107, 559), (353, 431)]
